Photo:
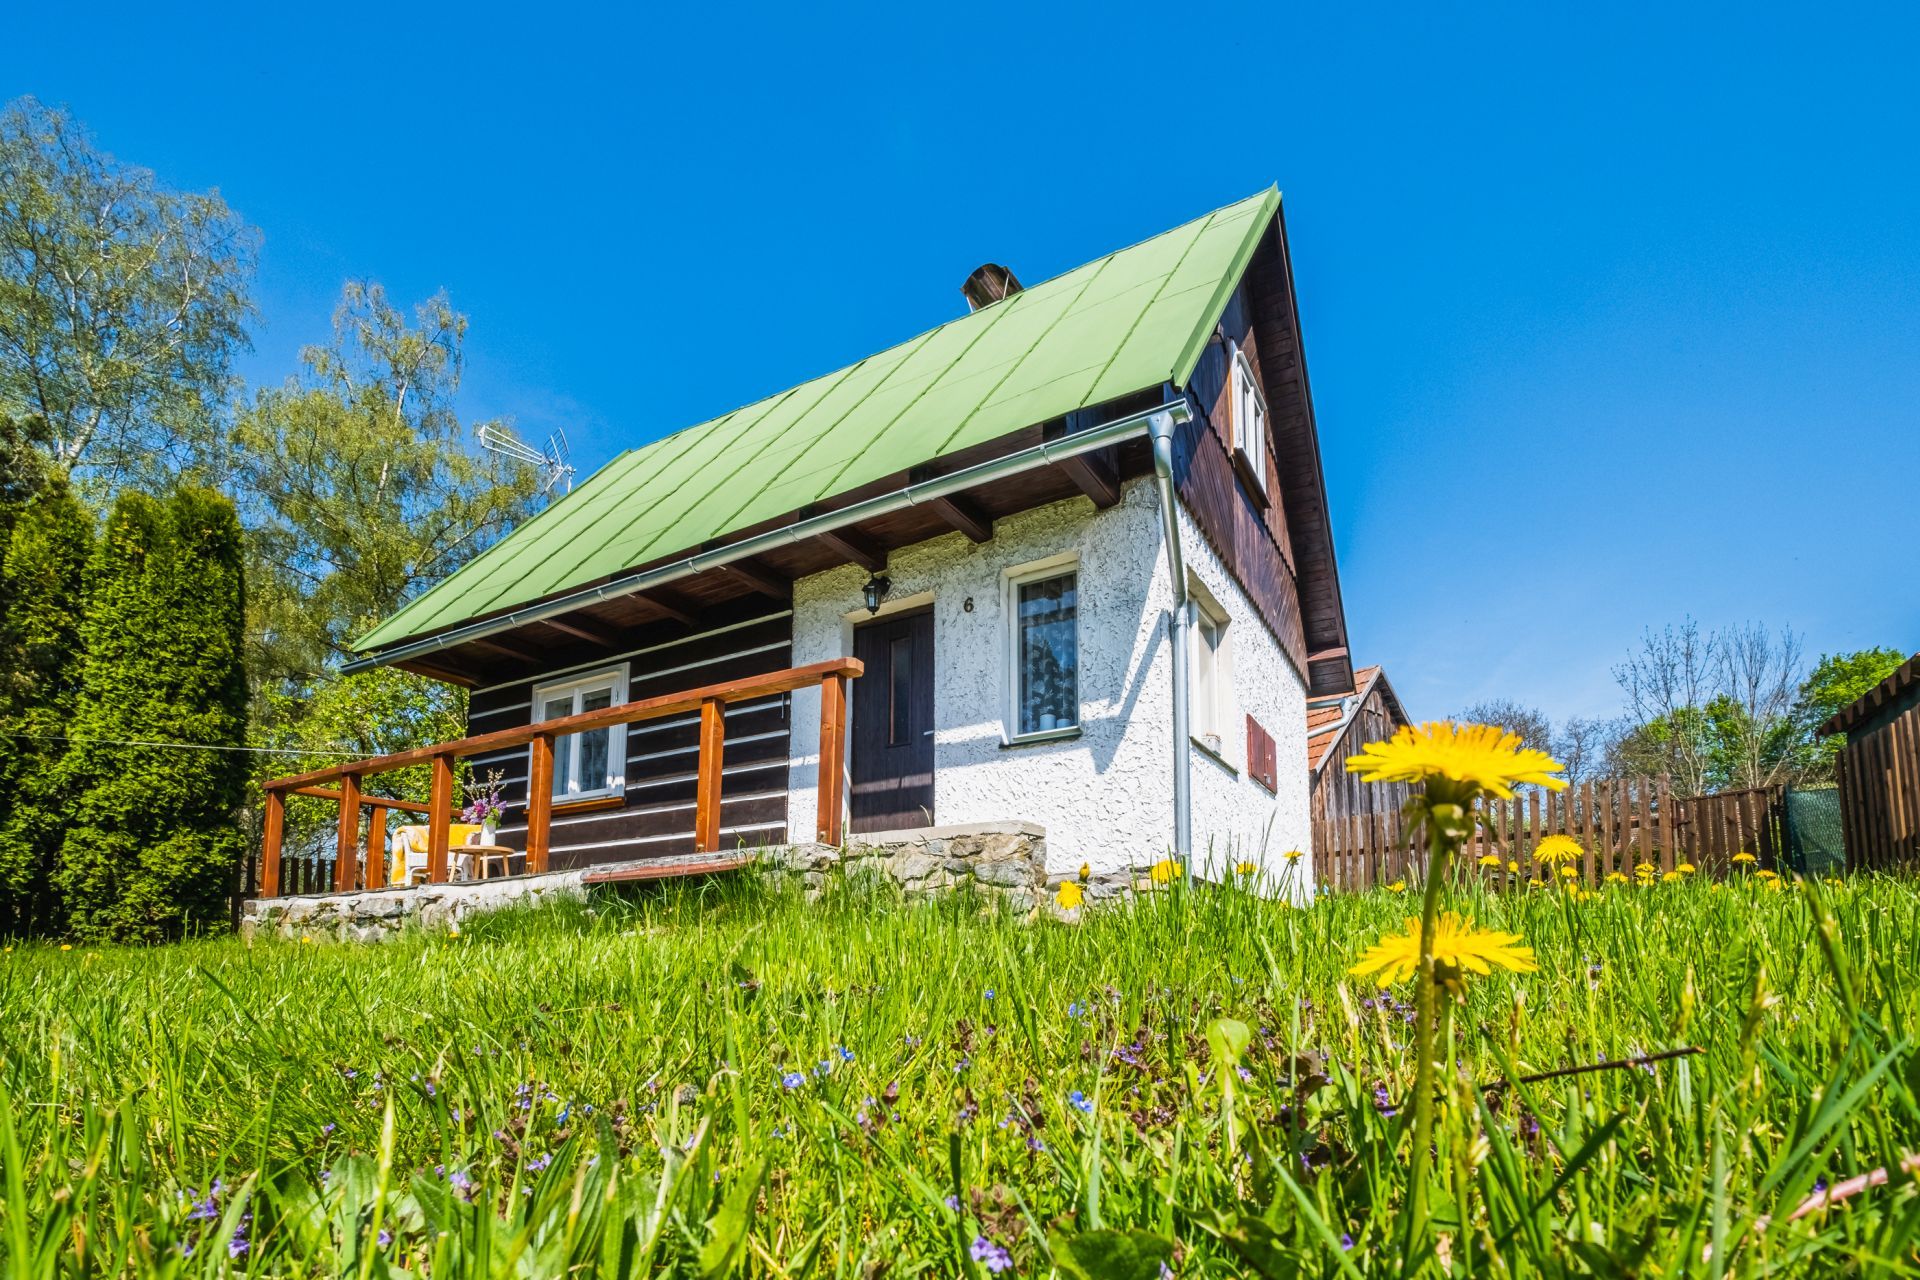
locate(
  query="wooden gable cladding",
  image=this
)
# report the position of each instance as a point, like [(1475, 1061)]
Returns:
[(1263, 756), (1371, 715), (1274, 320), (1249, 538), (655, 816)]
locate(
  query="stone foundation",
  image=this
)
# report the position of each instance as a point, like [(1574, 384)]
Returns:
[(1002, 861)]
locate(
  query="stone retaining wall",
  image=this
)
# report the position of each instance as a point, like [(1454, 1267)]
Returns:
[(1002, 861)]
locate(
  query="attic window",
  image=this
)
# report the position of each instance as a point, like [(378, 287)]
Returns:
[(1249, 427)]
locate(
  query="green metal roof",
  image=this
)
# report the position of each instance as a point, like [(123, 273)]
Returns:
[(1132, 320)]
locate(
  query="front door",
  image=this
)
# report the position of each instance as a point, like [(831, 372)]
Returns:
[(893, 723)]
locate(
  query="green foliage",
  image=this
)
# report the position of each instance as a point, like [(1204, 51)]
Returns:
[(121, 305), (153, 842), (1838, 680), (43, 587), (656, 1086), (362, 485), (370, 714)]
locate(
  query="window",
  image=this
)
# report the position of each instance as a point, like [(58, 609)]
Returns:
[(1249, 426), (1211, 695), (1046, 653), (586, 765)]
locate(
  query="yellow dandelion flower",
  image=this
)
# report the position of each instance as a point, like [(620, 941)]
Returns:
[(1766, 875), (1456, 943), (66, 946), (1069, 895), (1569, 872), (1743, 858), (305, 940), (1482, 755), (1398, 886), (1489, 859), (1616, 877), (1558, 849), (1086, 871), (1513, 868), (1165, 871), (1246, 868), (1775, 885), (1668, 877), (1293, 855), (1685, 868)]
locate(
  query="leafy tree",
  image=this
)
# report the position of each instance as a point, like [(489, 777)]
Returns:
[(1837, 681), (42, 582), (370, 714), (153, 842), (121, 303), (1530, 724), (361, 485)]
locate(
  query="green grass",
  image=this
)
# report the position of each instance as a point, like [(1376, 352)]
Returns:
[(602, 1089)]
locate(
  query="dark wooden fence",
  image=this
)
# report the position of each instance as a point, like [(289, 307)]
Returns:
[(1619, 822), (1879, 772)]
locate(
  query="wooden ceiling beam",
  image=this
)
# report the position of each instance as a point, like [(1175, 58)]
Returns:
[(434, 672), (677, 607), (1095, 477), (963, 516), (591, 632), (506, 648), (761, 577), (857, 547)]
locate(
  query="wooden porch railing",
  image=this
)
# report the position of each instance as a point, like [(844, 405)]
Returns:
[(709, 700)]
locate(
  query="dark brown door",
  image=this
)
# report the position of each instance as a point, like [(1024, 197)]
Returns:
[(893, 723)]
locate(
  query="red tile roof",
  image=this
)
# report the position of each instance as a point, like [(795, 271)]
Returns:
[(1325, 720)]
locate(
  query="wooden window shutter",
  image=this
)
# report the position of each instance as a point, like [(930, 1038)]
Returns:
[(1263, 763)]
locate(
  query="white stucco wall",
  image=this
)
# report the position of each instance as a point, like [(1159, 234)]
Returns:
[(1106, 797)]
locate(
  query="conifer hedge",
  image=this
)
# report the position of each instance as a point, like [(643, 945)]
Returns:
[(152, 840), (42, 592)]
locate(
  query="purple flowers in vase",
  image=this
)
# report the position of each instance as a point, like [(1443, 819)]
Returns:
[(484, 806)]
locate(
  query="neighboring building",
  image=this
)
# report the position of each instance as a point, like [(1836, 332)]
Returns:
[(977, 514), (1339, 727), (1878, 771)]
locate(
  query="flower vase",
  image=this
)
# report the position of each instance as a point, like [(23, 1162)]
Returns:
[(490, 832)]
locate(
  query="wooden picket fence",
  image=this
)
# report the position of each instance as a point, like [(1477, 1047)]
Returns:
[(1618, 822)]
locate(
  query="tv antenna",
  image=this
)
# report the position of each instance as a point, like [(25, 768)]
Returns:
[(552, 460)]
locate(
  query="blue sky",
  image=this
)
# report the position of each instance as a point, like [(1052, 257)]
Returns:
[(1611, 318)]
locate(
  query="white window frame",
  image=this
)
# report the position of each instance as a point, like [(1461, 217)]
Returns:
[(1011, 581), (1211, 704), (566, 750), (1249, 437)]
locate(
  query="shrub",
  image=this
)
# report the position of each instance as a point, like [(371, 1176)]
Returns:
[(42, 586), (154, 842)]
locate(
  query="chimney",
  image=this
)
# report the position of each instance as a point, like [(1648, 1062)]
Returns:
[(988, 284)]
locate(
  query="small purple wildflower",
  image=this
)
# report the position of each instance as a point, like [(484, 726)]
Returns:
[(989, 995), (385, 1238), (1080, 1102), (792, 1080), (1346, 1242), (953, 1203), (991, 1255), (846, 1054)]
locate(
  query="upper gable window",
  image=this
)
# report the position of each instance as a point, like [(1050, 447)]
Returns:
[(1249, 427)]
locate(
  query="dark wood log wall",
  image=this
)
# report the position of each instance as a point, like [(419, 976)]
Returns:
[(655, 818), (1250, 540), (1338, 794)]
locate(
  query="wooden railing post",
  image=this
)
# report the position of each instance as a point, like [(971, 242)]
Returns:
[(540, 804), (439, 818), (377, 845), (706, 812), (347, 846), (833, 755), (276, 826)]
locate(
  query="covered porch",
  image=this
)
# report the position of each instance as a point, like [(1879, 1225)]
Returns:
[(361, 811)]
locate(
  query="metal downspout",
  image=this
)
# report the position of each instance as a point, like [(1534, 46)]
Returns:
[(1160, 428)]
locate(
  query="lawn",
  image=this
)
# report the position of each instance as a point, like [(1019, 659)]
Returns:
[(725, 1077)]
